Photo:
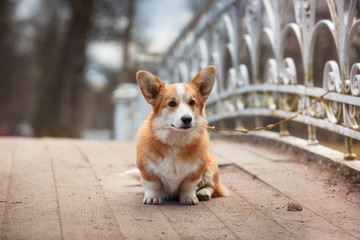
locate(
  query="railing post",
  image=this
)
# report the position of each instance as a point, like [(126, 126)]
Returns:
[(312, 135), (222, 124), (283, 130), (349, 155), (125, 110), (258, 122), (239, 123), (311, 129)]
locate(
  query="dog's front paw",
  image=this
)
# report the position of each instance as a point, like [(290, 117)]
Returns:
[(189, 200), (156, 200)]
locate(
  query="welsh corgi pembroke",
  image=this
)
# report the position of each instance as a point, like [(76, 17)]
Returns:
[(172, 143)]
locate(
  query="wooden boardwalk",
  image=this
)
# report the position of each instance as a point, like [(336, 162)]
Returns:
[(70, 189)]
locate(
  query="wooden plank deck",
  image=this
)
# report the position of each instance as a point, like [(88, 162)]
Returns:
[(70, 189)]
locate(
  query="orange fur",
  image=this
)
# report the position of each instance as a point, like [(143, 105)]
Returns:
[(148, 148)]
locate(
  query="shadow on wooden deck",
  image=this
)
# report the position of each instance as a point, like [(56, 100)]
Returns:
[(70, 189)]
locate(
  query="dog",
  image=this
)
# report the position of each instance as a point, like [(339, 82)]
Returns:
[(172, 153)]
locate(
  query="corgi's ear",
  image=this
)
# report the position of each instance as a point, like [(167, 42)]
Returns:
[(150, 86), (204, 81)]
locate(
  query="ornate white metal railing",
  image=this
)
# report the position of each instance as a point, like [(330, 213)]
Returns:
[(273, 58)]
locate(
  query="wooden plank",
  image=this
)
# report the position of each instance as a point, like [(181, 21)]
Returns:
[(109, 159), (195, 222), (31, 208), (84, 210), (7, 147), (278, 169), (125, 151), (136, 220), (245, 220), (273, 204), (141, 221)]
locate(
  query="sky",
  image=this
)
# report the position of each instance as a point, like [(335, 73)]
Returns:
[(166, 19), (25, 8)]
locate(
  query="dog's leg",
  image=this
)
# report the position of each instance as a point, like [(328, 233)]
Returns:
[(210, 183), (152, 192), (188, 192), (206, 186)]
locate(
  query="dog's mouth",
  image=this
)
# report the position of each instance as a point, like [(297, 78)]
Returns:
[(185, 127)]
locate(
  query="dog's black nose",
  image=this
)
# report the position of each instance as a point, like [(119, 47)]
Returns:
[(186, 119)]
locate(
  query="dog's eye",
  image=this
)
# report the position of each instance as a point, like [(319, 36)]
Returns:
[(172, 104), (192, 102)]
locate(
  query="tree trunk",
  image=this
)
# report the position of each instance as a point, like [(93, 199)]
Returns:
[(64, 104), (48, 51), (127, 61), (6, 59)]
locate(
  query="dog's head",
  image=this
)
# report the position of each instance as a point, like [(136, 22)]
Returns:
[(178, 107)]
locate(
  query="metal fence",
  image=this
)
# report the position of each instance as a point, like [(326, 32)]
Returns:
[(273, 58)]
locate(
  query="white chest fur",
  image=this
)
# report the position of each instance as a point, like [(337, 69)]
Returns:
[(172, 171)]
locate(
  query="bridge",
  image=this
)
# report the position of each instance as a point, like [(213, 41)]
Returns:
[(274, 58)]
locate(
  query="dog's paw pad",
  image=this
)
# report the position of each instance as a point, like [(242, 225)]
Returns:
[(189, 201), (152, 200)]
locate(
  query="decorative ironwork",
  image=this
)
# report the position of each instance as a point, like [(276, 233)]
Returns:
[(273, 59)]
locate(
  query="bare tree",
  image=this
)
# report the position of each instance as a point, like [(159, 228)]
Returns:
[(6, 50), (62, 107), (127, 62), (46, 85)]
